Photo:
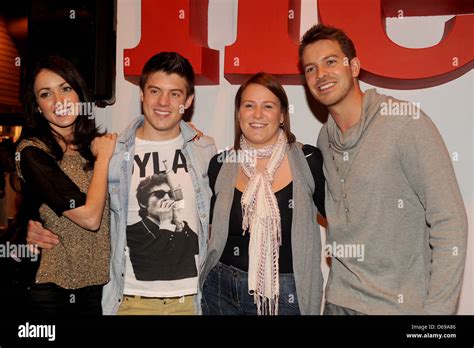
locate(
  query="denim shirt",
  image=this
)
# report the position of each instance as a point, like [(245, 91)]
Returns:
[(198, 153)]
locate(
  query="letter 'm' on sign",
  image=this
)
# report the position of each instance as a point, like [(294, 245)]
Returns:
[(177, 25), (267, 40), (386, 64)]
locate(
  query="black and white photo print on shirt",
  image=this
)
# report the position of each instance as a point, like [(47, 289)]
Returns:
[(162, 229)]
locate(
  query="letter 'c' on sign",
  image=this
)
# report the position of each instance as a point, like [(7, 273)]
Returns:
[(386, 64)]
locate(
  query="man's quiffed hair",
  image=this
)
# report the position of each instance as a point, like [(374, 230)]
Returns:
[(169, 63), (323, 32)]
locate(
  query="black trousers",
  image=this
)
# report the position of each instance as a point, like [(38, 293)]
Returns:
[(50, 300)]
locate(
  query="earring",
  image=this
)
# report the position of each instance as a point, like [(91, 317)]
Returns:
[(281, 124)]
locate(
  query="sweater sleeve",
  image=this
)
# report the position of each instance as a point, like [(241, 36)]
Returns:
[(427, 165), (49, 182)]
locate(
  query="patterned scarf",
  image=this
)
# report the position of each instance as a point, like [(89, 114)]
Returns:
[(261, 217)]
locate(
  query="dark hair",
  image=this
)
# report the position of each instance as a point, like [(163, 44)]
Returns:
[(323, 32), (170, 63), (143, 190), (271, 83), (37, 126)]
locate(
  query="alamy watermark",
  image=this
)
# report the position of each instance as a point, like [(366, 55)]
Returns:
[(28, 330), (345, 251), (68, 108), (17, 252), (237, 156), (400, 108)]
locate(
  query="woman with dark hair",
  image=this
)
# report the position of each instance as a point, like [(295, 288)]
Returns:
[(63, 161), (264, 252)]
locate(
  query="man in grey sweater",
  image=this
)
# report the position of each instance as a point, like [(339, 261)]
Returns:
[(397, 226)]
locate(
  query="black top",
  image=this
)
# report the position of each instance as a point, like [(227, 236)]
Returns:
[(236, 249), (45, 182)]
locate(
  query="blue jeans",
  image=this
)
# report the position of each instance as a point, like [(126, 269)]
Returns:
[(225, 292)]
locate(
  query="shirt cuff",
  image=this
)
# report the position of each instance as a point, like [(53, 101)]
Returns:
[(167, 225)]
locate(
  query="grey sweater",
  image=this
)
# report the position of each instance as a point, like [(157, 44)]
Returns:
[(392, 194)]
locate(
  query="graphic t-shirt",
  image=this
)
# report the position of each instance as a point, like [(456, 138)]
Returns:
[(162, 222)]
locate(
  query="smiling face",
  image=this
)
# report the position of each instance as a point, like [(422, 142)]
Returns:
[(55, 98), (260, 115), (329, 74), (164, 101)]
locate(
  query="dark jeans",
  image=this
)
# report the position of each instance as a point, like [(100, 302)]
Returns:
[(332, 309), (15, 278), (225, 292), (50, 300)]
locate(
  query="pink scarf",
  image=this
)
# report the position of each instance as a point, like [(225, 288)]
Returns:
[(261, 217)]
